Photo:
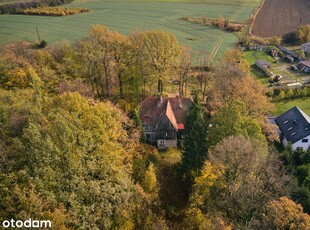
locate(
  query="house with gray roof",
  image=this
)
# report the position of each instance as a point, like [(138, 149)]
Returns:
[(294, 125), (290, 54), (263, 65)]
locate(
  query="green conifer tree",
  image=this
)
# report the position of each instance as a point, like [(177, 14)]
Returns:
[(195, 145)]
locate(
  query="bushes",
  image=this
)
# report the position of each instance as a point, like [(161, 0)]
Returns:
[(14, 8), (221, 22), (52, 11), (289, 93), (43, 44), (301, 35)]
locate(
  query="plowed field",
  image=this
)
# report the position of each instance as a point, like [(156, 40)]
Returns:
[(278, 17)]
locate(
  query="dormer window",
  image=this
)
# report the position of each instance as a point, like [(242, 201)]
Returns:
[(285, 122), (290, 128), (294, 133)]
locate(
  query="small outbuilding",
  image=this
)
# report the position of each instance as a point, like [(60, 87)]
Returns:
[(305, 66), (263, 65), (290, 54)]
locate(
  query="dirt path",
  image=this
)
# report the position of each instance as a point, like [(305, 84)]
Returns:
[(278, 17)]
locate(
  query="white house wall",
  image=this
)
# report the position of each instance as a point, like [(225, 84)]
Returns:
[(284, 141), (164, 144), (300, 144)]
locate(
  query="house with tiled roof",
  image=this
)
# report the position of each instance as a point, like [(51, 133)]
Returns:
[(294, 125), (163, 119)]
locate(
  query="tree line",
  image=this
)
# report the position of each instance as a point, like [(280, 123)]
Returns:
[(111, 65), (52, 11), (15, 8)]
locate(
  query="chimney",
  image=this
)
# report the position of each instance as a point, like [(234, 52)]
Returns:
[(160, 91)]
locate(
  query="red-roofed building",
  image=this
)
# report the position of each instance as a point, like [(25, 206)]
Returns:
[(163, 120)]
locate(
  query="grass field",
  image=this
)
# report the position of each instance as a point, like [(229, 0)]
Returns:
[(128, 16), (281, 67), (2, 2), (283, 106), (251, 57)]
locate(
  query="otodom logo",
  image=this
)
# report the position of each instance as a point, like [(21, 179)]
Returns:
[(27, 223)]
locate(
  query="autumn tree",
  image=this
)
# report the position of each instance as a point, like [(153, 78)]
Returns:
[(283, 213), (66, 55), (196, 215), (233, 82), (183, 71), (236, 182), (232, 120), (221, 22), (16, 72), (251, 178), (162, 50), (75, 154)]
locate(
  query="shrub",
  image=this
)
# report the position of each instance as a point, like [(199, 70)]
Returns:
[(43, 44)]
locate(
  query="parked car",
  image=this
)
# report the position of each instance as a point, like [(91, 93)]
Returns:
[(294, 67), (277, 78)]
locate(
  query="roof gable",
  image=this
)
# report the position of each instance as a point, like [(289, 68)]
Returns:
[(306, 63), (153, 109), (170, 115), (294, 124)]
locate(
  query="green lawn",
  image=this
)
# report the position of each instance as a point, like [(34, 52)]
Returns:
[(126, 17), (281, 67), (283, 106), (251, 57)]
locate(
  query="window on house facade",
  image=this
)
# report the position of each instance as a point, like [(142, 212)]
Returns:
[(148, 135), (299, 148), (304, 140)]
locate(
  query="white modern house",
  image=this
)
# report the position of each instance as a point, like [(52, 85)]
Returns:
[(306, 48), (294, 125)]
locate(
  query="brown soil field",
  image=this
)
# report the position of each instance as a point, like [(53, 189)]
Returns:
[(278, 17)]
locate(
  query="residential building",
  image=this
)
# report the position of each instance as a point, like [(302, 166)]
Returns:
[(306, 48), (163, 120), (294, 125)]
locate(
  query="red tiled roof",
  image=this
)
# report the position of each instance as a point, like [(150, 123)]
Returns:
[(181, 126), (180, 107), (305, 63), (171, 117), (151, 110), (176, 109)]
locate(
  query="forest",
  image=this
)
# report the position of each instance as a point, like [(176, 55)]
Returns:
[(72, 149)]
